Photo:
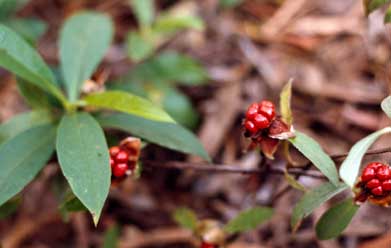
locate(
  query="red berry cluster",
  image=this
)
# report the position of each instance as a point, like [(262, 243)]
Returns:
[(376, 178), (259, 116), (119, 161), (208, 245)]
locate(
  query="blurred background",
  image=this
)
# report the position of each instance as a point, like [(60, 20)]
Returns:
[(204, 62)]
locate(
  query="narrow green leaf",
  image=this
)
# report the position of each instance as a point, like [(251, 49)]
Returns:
[(127, 103), (171, 24), (34, 96), (22, 157), (17, 56), (230, 3), (84, 159), (111, 237), (312, 200), (84, 40), (285, 103), (249, 219), (9, 7), (336, 219), (186, 218), (386, 106), (293, 182), (387, 16), (139, 47), (351, 165), (164, 134), (30, 29), (9, 207), (372, 5), (23, 122), (312, 150), (144, 11)]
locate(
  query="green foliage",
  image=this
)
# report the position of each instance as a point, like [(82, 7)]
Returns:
[(144, 11), (111, 237), (166, 134), (30, 28), (230, 3), (312, 150), (313, 199), (84, 159), (17, 56), (336, 219), (127, 103), (71, 204), (8, 7), (249, 219), (139, 46), (21, 123), (87, 35), (169, 24), (293, 182), (34, 96), (350, 167), (9, 207), (22, 157), (186, 218), (372, 5)]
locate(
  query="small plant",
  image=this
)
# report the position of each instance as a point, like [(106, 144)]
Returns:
[(73, 125)]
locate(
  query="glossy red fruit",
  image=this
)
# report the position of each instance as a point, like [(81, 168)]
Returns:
[(207, 245), (386, 185), (383, 172), (252, 111), (114, 151), (374, 165), (250, 126), (112, 162), (373, 183), (261, 121), (268, 109), (368, 174), (122, 157), (119, 170), (377, 191)]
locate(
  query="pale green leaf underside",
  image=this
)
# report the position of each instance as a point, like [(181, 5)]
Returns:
[(84, 40), (249, 219), (186, 218), (22, 157), (83, 155), (351, 165)]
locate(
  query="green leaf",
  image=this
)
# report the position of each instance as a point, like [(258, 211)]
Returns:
[(186, 218), (386, 106), (22, 157), (171, 24), (249, 219), (9, 207), (312, 150), (285, 103), (293, 182), (17, 56), (351, 165), (144, 11), (312, 200), (139, 46), (111, 237), (9, 7), (165, 134), (387, 17), (336, 219), (84, 160), (84, 40), (22, 122), (34, 96), (127, 103), (372, 5), (30, 29), (230, 3)]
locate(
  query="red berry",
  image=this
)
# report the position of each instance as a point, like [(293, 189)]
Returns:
[(207, 245), (120, 169), (386, 185), (122, 157), (383, 172), (250, 126), (377, 191), (252, 111), (373, 183), (112, 162), (374, 165), (114, 151), (368, 174), (267, 109), (261, 121)]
